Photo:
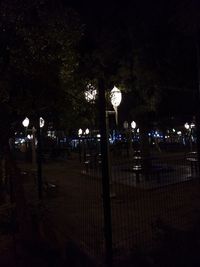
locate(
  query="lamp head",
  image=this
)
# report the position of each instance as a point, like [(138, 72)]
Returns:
[(25, 122), (133, 124), (41, 122), (115, 96)]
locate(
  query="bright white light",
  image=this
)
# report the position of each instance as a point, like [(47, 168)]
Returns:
[(90, 93), (87, 131), (98, 135), (138, 130), (30, 136), (41, 122), (187, 126), (173, 130), (25, 122), (115, 97), (179, 133), (133, 124), (192, 125), (125, 124), (80, 131)]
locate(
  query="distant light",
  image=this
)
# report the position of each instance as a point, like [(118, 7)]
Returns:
[(87, 131), (179, 132), (90, 93), (138, 130), (133, 124), (115, 96), (192, 125), (98, 135), (173, 130), (41, 122), (187, 126), (125, 124), (25, 122), (80, 132), (30, 136)]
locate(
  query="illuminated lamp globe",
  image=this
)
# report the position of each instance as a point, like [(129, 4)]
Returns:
[(41, 122), (115, 97), (133, 124), (187, 126), (125, 124), (25, 122), (80, 131), (87, 131)]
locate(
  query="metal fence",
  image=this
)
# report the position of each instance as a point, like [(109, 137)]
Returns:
[(141, 201), (167, 194)]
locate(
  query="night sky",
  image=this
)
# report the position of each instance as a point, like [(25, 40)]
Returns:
[(169, 25)]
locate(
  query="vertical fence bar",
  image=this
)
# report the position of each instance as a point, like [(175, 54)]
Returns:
[(105, 173), (198, 103), (39, 159)]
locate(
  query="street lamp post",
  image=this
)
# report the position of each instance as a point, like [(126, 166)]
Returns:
[(85, 144), (116, 98), (80, 132), (189, 128), (25, 123), (33, 146), (40, 124), (129, 137), (126, 128), (105, 173)]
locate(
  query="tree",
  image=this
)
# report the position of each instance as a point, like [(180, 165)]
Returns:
[(39, 42)]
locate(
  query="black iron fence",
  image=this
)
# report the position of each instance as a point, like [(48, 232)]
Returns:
[(144, 200), (167, 193)]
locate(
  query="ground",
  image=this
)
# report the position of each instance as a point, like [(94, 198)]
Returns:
[(72, 212)]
